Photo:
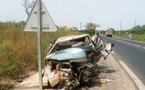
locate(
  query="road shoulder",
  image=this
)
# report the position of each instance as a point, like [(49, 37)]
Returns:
[(115, 75)]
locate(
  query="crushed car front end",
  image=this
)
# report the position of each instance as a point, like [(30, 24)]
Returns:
[(72, 61)]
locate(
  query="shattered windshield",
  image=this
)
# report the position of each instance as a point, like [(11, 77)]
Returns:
[(79, 42)]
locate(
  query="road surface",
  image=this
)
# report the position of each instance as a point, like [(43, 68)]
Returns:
[(132, 53)]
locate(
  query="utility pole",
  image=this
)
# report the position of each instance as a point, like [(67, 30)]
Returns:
[(120, 25), (80, 25), (135, 23), (39, 30), (37, 23)]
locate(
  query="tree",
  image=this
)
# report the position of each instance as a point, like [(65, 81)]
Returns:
[(143, 28), (136, 29), (91, 26), (74, 28), (28, 5)]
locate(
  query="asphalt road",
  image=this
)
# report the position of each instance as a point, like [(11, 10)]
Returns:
[(132, 53)]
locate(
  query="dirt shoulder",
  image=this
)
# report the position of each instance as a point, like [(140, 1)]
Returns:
[(115, 78)]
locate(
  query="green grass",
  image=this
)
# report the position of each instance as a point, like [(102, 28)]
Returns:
[(138, 37), (19, 50), (6, 83)]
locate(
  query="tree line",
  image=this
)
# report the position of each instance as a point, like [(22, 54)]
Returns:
[(138, 29)]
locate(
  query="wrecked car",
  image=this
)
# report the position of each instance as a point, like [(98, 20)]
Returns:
[(72, 60)]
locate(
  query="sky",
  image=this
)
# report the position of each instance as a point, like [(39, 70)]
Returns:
[(117, 14)]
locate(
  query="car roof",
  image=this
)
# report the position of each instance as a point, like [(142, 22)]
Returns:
[(67, 38)]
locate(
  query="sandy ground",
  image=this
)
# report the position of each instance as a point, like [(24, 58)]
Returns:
[(115, 76)]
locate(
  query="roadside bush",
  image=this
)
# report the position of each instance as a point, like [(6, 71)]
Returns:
[(19, 50), (9, 58), (122, 34), (6, 84), (137, 36)]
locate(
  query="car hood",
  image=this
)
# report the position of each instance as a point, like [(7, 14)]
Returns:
[(67, 54)]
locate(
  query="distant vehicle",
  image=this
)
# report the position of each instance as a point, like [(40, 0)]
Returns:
[(109, 32)]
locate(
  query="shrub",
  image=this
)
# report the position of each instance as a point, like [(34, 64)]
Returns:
[(9, 57)]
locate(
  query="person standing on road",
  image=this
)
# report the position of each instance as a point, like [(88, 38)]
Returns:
[(131, 36)]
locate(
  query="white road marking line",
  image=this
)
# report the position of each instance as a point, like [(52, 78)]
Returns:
[(133, 76), (143, 47), (129, 43), (136, 45), (123, 42)]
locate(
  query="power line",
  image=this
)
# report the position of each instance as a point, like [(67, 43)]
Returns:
[(63, 12)]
